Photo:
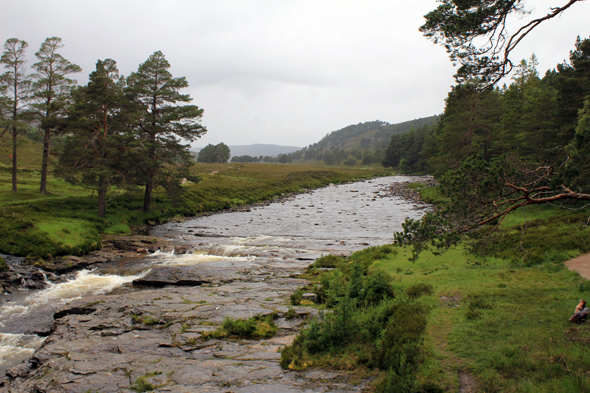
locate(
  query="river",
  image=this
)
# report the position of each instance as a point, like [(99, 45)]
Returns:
[(122, 324)]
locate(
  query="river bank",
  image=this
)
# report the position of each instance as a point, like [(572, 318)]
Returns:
[(240, 264), (31, 273)]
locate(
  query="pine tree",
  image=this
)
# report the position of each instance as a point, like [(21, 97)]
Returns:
[(51, 90), (164, 120), (15, 86), (94, 152)]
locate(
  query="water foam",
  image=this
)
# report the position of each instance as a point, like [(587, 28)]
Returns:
[(85, 283), (14, 347), (171, 259)]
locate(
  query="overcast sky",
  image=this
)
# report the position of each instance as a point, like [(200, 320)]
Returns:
[(278, 71)]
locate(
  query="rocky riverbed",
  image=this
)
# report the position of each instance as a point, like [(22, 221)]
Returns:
[(143, 328)]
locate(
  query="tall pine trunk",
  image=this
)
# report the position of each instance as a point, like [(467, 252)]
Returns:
[(102, 197), (149, 186), (147, 198), (44, 165), (14, 134)]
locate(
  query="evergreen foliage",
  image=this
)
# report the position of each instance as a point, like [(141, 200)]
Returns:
[(364, 142), (51, 92), (97, 139), (162, 120), (15, 90), (498, 150)]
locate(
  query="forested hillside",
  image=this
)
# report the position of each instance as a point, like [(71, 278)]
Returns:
[(359, 142), (498, 150)]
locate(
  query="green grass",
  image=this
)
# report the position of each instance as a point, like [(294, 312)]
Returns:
[(433, 196), (69, 232), (29, 153), (506, 325), (546, 233), (141, 385), (415, 185)]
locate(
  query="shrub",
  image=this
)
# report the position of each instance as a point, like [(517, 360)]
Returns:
[(377, 287), (417, 290), (327, 261), (291, 313), (257, 326), (296, 297)]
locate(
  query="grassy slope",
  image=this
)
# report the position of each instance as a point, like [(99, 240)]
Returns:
[(513, 337)]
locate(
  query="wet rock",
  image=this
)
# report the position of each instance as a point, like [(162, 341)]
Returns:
[(41, 332), (21, 370), (205, 234), (179, 276), (73, 311), (180, 250), (310, 296)]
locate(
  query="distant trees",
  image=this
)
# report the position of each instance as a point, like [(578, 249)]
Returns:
[(407, 152), (218, 153), (284, 158), (245, 159)]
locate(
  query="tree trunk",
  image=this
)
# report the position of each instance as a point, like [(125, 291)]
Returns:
[(147, 199), (14, 134), (102, 197), (44, 165)]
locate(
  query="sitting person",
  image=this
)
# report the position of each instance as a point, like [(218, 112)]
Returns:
[(580, 313)]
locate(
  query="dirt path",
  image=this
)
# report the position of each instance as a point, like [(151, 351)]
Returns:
[(581, 265)]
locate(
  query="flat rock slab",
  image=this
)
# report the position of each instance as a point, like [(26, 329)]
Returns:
[(176, 275)]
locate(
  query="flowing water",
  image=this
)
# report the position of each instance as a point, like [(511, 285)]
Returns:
[(290, 234)]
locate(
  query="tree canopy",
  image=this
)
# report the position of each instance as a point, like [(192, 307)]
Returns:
[(475, 35), (163, 120), (498, 150), (96, 144)]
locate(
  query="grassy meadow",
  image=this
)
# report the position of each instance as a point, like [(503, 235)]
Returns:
[(65, 221)]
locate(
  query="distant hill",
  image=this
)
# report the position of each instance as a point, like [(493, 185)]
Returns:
[(29, 152), (370, 135), (256, 150), (359, 139)]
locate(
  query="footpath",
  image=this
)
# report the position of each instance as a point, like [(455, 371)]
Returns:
[(581, 265)]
